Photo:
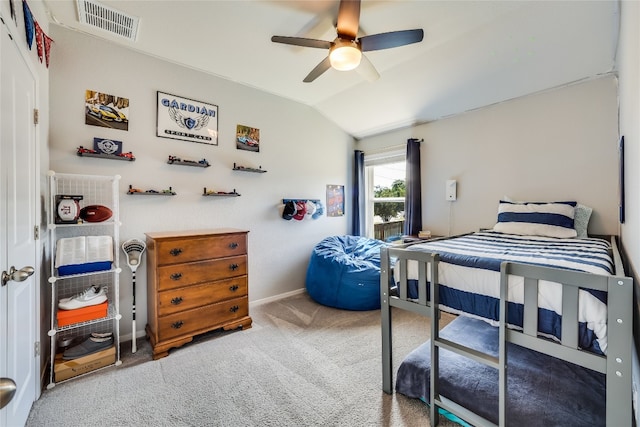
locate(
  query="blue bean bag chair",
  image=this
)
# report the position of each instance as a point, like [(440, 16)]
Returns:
[(344, 272)]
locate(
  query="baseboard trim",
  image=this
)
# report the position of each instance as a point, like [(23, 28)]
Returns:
[(277, 297)]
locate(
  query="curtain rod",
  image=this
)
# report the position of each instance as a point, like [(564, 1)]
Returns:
[(382, 150)]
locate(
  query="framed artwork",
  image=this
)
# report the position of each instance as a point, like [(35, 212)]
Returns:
[(335, 200), (247, 138), (107, 146), (105, 110), (187, 119)]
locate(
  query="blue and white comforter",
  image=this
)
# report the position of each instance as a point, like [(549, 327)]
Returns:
[(469, 273)]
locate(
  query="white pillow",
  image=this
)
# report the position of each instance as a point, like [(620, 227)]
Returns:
[(580, 220), (537, 219)]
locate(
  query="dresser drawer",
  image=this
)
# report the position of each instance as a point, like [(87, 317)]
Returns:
[(181, 275), (181, 299), (176, 251), (203, 318)]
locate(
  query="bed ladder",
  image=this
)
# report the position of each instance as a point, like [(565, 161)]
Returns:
[(437, 343)]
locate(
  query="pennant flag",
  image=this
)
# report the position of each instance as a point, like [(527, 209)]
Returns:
[(39, 44), (28, 23), (47, 47)]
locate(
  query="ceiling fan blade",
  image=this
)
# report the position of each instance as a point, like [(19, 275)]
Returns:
[(299, 41), (389, 40), (317, 72), (367, 70), (348, 19)]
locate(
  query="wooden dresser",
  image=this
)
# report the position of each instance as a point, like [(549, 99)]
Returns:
[(196, 282)]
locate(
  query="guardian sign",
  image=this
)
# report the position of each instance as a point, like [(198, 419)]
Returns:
[(187, 119)]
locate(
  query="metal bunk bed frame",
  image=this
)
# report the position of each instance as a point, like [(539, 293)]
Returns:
[(616, 365)]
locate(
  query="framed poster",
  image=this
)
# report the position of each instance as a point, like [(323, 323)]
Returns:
[(247, 138), (105, 110), (335, 200), (187, 119)]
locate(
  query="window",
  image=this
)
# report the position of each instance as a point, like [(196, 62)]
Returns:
[(385, 176)]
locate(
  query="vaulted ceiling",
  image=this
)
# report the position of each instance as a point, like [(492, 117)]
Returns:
[(474, 53)]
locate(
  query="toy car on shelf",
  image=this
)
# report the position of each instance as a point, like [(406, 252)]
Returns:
[(134, 190), (82, 150), (220, 193), (187, 162), (94, 153)]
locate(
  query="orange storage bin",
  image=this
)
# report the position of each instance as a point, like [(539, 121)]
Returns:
[(69, 317)]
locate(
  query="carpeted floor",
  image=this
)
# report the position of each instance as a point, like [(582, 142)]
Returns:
[(301, 364)]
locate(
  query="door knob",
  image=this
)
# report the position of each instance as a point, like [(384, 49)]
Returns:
[(17, 275), (7, 390)]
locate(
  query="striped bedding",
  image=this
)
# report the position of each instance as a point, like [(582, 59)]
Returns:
[(469, 273)]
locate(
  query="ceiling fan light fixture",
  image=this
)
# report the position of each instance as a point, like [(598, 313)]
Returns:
[(345, 55)]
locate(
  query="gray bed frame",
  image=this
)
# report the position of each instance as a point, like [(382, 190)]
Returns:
[(616, 365)]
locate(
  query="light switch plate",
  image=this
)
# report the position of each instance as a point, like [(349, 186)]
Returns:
[(451, 190)]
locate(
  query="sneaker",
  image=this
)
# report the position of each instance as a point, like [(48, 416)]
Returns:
[(89, 346), (91, 296), (101, 334), (76, 295)]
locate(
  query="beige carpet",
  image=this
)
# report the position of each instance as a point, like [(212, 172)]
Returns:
[(301, 364)]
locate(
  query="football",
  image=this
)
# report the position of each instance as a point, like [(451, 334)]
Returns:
[(95, 213)]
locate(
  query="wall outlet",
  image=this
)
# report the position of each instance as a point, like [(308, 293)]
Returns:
[(451, 190)]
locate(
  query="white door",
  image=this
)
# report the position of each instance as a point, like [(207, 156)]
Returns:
[(18, 299)]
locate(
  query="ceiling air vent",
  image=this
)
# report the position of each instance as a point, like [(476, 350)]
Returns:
[(108, 19)]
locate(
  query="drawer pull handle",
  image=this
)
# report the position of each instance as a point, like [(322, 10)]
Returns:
[(233, 245), (177, 325), (175, 251), (176, 300), (176, 276), (233, 267), (234, 309), (233, 288)]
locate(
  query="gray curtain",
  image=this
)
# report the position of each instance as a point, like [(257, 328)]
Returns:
[(358, 227), (413, 196)]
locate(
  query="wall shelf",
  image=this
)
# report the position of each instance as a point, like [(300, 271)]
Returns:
[(173, 160), (137, 192), (87, 152), (248, 169), (211, 193), (316, 201)]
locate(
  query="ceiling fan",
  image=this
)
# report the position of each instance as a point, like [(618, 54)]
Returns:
[(345, 51)]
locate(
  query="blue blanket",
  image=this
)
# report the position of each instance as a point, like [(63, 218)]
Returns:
[(541, 390)]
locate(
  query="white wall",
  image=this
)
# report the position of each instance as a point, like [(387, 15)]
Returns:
[(629, 71), (301, 150), (628, 65), (556, 145)]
